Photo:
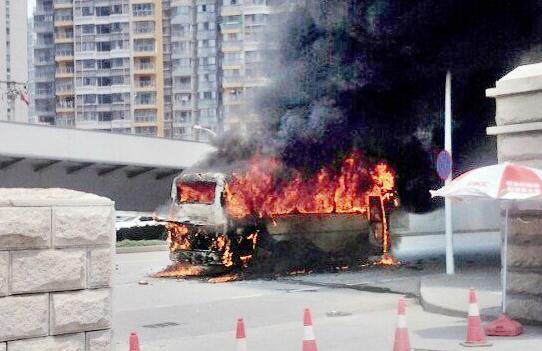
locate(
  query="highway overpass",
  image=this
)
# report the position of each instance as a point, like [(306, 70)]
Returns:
[(134, 171)]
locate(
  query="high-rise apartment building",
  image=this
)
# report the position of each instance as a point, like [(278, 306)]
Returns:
[(244, 46), (99, 65), (154, 67), (194, 68), (13, 60)]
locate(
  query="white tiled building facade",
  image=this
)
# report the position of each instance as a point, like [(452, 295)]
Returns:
[(13, 60)]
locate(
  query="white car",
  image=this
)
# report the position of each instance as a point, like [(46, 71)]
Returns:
[(138, 226)]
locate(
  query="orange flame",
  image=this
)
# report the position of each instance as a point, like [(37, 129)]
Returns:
[(177, 236), (261, 192), (196, 192), (179, 269)]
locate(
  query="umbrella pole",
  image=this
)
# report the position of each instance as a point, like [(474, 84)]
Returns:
[(504, 263), (504, 326)]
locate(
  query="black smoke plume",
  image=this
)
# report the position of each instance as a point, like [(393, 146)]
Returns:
[(370, 75)]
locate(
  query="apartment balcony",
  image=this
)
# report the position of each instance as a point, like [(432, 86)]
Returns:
[(62, 4), (209, 103), (44, 61), (144, 50), (181, 19), (144, 68), (144, 104), (66, 90), (45, 78), (145, 85), (43, 27), (231, 10), (41, 10), (232, 45), (63, 21), (250, 9), (182, 104), (145, 118), (64, 55), (233, 99), (124, 88), (232, 63), (178, 35), (143, 15), (63, 38), (65, 106), (65, 121), (186, 70), (206, 51), (64, 72), (45, 111), (44, 93), (41, 44), (187, 125), (231, 27), (143, 35), (182, 88)]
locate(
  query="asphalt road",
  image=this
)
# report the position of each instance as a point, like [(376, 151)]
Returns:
[(171, 314), (194, 315)]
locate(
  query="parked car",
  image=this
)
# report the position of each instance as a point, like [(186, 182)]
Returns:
[(138, 226)]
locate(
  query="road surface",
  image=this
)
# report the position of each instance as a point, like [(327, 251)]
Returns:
[(194, 315)]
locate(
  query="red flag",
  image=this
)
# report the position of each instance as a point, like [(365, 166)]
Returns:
[(24, 97)]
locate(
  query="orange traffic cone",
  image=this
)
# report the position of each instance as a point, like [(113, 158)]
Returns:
[(309, 343), (475, 334), (241, 336), (134, 341), (402, 341)]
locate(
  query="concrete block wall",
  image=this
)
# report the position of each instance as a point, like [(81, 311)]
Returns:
[(56, 265), (518, 117)]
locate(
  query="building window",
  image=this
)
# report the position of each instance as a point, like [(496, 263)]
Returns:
[(103, 46), (89, 99), (89, 64), (88, 29), (103, 29), (104, 81), (140, 10), (104, 99), (116, 9), (103, 11), (87, 11)]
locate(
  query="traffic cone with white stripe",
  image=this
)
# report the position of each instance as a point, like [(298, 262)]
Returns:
[(309, 343), (475, 334), (134, 341), (240, 336), (402, 340)]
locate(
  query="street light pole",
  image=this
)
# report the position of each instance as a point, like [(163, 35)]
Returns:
[(450, 266), (198, 127)]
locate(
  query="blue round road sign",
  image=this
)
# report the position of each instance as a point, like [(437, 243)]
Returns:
[(444, 164)]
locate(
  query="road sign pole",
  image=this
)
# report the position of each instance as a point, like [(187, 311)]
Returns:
[(450, 266)]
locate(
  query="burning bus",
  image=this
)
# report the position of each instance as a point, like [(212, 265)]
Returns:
[(222, 221)]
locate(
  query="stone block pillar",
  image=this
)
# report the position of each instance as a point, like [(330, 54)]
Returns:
[(518, 97), (56, 265)]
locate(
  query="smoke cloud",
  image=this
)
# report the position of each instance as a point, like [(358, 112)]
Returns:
[(370, 75)]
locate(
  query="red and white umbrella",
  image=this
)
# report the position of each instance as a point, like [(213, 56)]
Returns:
[(502, 182)]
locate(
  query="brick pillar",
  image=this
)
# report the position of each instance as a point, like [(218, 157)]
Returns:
[(56, 258), (518, 97)]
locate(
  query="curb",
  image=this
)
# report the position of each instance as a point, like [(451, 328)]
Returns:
[(486, 314), (137, 249)]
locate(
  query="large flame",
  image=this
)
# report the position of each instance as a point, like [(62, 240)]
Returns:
[(260, 190)]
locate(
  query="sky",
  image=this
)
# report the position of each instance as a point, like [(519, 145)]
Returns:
[(31, 4)]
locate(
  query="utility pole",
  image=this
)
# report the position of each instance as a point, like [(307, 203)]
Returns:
[(450, 266)]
